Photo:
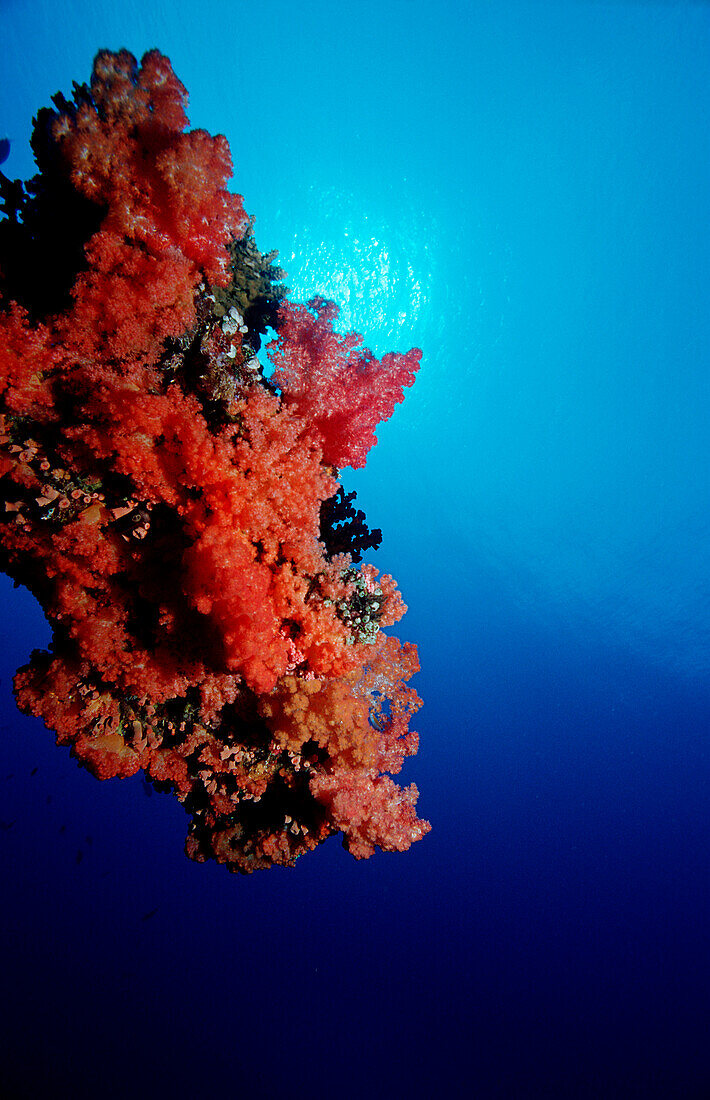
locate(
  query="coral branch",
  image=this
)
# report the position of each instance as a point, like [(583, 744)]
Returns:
[(334, 382)]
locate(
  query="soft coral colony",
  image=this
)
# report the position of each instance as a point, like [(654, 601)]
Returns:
[(178, 514)]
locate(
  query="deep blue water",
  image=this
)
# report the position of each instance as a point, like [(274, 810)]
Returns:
[(522, 190)]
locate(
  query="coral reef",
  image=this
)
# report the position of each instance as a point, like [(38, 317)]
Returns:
[(179, 515)]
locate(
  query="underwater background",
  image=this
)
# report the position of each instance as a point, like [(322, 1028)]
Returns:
[(521, 190)]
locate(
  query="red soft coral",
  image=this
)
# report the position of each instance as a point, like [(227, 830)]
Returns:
[(370, 810), (27, 360), (336, 384), (168, 504), (168, 217)]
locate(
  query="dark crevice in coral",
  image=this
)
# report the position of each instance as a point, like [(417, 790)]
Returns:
[(46, 227), (256, 289)]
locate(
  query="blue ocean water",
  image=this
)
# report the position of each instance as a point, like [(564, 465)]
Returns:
[(521, 190)]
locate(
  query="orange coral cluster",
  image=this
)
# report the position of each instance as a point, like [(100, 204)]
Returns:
[(169, 506)]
